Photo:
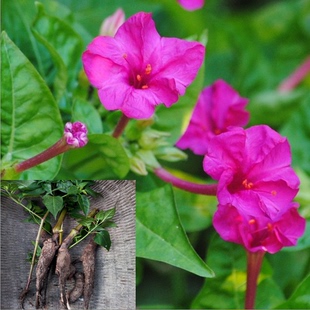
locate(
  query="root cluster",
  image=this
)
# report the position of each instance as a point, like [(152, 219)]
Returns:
[(84, 281)]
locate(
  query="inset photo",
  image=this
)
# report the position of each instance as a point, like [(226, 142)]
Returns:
[(68, 244)]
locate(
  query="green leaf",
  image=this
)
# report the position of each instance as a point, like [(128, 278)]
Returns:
[(84, 112), (84, 204), (160, 235), (227, 289), (87, 221), (297, 130), (65, 47), (102, 158), (196, 211), (59, 78), (72, 190), (265, 105), (30, 118), (53, 204), (64, 185), (103, 239), (300, 299), (105, 215)]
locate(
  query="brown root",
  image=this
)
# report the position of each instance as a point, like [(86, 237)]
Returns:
[(77, 291), (63, 270), (47, 255), (88, 261)]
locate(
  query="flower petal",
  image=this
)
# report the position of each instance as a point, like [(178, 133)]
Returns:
[(139, 38), (180, 60), (225, 152)]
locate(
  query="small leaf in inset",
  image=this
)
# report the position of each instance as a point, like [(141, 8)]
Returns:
[(72, 190), (105, 215), (103, 239), (83, 202), (53, 204)]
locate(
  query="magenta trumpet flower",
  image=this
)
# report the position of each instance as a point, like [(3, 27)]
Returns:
[(253, 167), (137, 69), (259, 233), (218, 107)]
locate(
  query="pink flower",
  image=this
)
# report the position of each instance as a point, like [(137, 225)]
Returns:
[(253, 167), (191, 5), (76, 134), (219, 106), (111, 24), (137, 69), (259, 233)]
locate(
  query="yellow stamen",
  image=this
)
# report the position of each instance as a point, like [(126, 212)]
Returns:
[(273, 193), (246, 184), (252, 221), (144, 87), (139, 78)]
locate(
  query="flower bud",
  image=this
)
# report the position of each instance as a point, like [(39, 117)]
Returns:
[(110, 25), (137, 166), (152, 139), (170, 154), (76, 134)]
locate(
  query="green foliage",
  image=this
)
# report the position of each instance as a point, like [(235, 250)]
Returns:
[(226, 290), (53, 204), (97, 226), (300, 299), (37, 254), (103, 239), (55, 196), (29, 113), (86, 113), (103, 152), (156, 211)]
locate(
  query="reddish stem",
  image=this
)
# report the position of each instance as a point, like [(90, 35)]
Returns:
[(296, 77), (59, 147), (254, 263), (120, 126), (203, 189)]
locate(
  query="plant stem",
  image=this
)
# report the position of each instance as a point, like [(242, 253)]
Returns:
[(26, 289), (203, 189), (254, 263), (74, 231), (57, 229), (59, 147), (20, 203), (120, 126), (296, 77), (88, 233)]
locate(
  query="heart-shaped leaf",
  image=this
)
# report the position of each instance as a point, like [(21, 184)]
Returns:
[(160, 235)]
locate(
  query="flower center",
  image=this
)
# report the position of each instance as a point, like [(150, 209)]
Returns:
[(140, 80), (240, 183), (246, 184)]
